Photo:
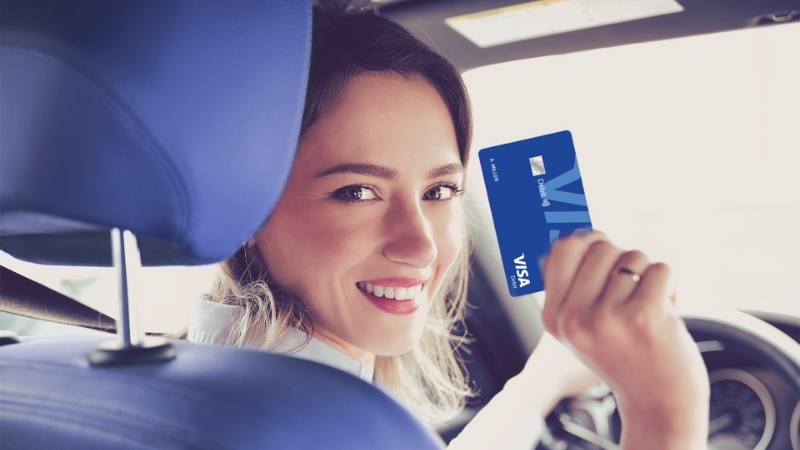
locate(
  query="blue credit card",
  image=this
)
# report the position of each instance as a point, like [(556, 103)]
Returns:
[(536, 197)]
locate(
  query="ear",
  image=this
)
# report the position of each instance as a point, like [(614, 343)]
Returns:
[(251, 243)]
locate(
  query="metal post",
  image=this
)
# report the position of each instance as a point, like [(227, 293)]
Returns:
[(127, 262), (119, 260), (130, 347)]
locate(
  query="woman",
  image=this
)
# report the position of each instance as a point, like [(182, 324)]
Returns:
[(363, 263)]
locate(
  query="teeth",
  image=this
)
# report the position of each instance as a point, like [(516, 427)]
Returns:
[(392, 292)]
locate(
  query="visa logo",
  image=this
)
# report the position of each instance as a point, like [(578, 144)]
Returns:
[(522, 270)]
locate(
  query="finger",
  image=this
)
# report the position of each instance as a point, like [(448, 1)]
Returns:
[(563, 261), (624, 276), (653, 288), (672, 291), (592, 275)]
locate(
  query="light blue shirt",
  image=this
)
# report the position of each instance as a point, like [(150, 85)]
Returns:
[(210, 322)]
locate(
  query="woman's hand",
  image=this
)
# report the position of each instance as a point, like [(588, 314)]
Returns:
[(616, 311)]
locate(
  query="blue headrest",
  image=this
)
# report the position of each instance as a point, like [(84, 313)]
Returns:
[(176, 119)]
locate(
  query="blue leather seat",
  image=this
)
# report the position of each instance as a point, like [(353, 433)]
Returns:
[(177, 120), (208, 397)]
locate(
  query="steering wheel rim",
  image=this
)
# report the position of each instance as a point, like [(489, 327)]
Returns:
[(758, 339), (737, 331)]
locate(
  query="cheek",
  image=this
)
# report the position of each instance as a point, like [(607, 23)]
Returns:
[(299, 242), (450, 234)]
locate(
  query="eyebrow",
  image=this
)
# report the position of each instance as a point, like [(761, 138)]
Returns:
[(362, 169), (448, 169), (385, 172)]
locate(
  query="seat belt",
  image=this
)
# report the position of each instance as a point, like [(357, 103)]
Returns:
[(22, 296)]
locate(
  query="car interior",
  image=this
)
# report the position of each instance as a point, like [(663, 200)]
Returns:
[(130, 130)]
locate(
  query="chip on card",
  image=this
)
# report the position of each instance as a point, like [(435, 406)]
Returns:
[(536, 196)]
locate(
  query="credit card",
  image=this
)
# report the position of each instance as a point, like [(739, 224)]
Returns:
[(536, 196)]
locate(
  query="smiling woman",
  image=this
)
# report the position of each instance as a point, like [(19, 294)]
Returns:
[(362, 264), (370, 221)]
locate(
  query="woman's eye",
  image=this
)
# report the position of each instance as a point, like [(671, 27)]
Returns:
[(355, 194), (441, 192)]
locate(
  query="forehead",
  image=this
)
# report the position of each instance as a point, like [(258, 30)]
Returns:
[(382, 119)]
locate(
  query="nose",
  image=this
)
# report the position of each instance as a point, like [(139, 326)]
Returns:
[(410, 238)]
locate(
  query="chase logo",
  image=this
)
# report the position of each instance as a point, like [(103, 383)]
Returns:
[(537, 166)]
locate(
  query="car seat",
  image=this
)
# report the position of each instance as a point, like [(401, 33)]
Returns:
[(159, 133)]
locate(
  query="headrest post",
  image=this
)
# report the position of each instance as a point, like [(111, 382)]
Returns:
[(130, 347), (125, 254)]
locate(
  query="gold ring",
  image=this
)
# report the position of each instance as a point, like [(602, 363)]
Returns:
[(634, 276)]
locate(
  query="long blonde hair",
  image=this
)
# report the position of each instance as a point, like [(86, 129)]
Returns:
[(429, 379)]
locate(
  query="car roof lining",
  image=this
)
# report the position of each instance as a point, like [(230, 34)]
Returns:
[(426, 19)]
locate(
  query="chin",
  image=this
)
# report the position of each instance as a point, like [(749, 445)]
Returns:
[(393, 335), (401, 344)]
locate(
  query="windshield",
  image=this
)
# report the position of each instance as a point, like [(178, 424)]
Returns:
[(688, 150)]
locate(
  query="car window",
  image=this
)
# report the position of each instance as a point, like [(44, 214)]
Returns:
[(687, 148), (164, 294)]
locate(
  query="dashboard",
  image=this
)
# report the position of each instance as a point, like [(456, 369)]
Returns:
[(752, 407)]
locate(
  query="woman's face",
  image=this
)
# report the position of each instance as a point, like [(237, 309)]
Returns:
[(370, 221)]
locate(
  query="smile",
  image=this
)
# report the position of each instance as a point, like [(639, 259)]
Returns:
[(391, 292)]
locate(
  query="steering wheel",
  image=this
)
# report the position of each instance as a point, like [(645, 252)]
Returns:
[(590, 421)]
